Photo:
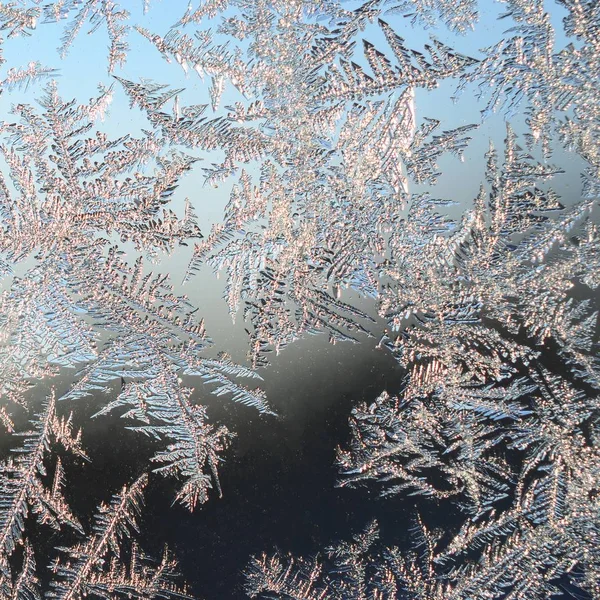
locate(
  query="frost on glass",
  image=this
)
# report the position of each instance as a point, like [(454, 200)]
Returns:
[(322, 121)]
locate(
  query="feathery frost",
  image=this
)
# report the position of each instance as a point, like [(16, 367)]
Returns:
[(347, 209)]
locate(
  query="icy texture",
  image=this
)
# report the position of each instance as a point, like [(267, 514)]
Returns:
[(309, 116), (87, 570), (23, 488)]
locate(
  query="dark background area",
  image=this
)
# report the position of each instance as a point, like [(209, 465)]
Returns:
[(278, 477), (279, 481)]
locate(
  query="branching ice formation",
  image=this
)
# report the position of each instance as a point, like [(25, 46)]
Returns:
[(308, 113)]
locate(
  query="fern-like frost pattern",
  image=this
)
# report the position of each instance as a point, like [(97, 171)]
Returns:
[(349, 213)]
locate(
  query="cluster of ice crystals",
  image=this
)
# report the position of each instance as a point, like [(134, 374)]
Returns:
[(308, 112)]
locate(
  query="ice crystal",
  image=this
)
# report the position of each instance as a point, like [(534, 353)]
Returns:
[(308, 114), (18, 19), (22, 488), (528, 522), (97, 12), (96, 567), (349, 574), (333, 174), (25, 586), (73, 201)]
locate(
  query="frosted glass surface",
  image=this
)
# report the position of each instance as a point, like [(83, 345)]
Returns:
[(299, 299)]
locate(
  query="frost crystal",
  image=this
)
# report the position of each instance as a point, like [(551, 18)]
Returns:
[(357, 196), (87, 569)]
